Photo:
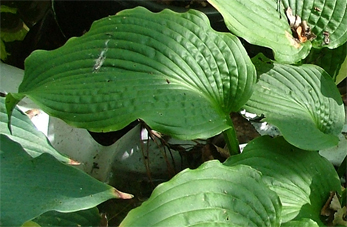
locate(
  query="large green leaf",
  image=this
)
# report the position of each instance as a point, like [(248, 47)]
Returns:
[(259, 22), (24, 132), (323, 16), (213, 194), (302, 101), (32, 186), (169, 69), (302, 179)]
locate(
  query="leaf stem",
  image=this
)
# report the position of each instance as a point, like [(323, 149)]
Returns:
[(231, 141)]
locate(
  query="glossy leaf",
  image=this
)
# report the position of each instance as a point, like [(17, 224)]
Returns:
[(302, 101), (169, 69), (302, 179), (259, 23), (24, 132), (213, 194), (32, 186)]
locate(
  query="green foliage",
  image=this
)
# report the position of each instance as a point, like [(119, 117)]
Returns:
[(183, 79), (333, 61), (88, 217), (171, 70), (15, 34), (24, 132), (273, 30), (323, 16), (302, 101), (211, 194), (298, 179), (32, 186)]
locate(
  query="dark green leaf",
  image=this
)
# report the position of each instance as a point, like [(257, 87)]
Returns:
[(24, 132), (330, 60), (32, 186), (90, 217)]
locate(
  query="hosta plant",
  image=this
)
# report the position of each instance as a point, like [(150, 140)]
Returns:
[(183, 79)]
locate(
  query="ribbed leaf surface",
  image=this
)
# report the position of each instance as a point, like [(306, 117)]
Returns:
[(260, 23), (302, 101), (302, 179), (323, 16), (171, 70), (213, 194), (24, 132)]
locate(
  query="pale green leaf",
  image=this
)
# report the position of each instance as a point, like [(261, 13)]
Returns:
[(259, 23), (302, 179), (302, 101), (32, 186), (24, 132), (169, 69), (213, 194)]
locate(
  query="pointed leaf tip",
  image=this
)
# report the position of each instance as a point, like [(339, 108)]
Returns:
[(121, 195), (10, 104), (73, 162)]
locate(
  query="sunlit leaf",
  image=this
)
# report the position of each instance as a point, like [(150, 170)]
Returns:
[(169, 69), (213, 194), (323, 16), (302, 101), (259, 23)]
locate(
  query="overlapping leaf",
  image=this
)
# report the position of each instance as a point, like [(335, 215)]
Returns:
[(332, 61), (32, 186), (323, 16), (213, 194), (302, 101), (171, 70), (264, 23), (261, 24), (24, 132), (90, 217), (302, 179)]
